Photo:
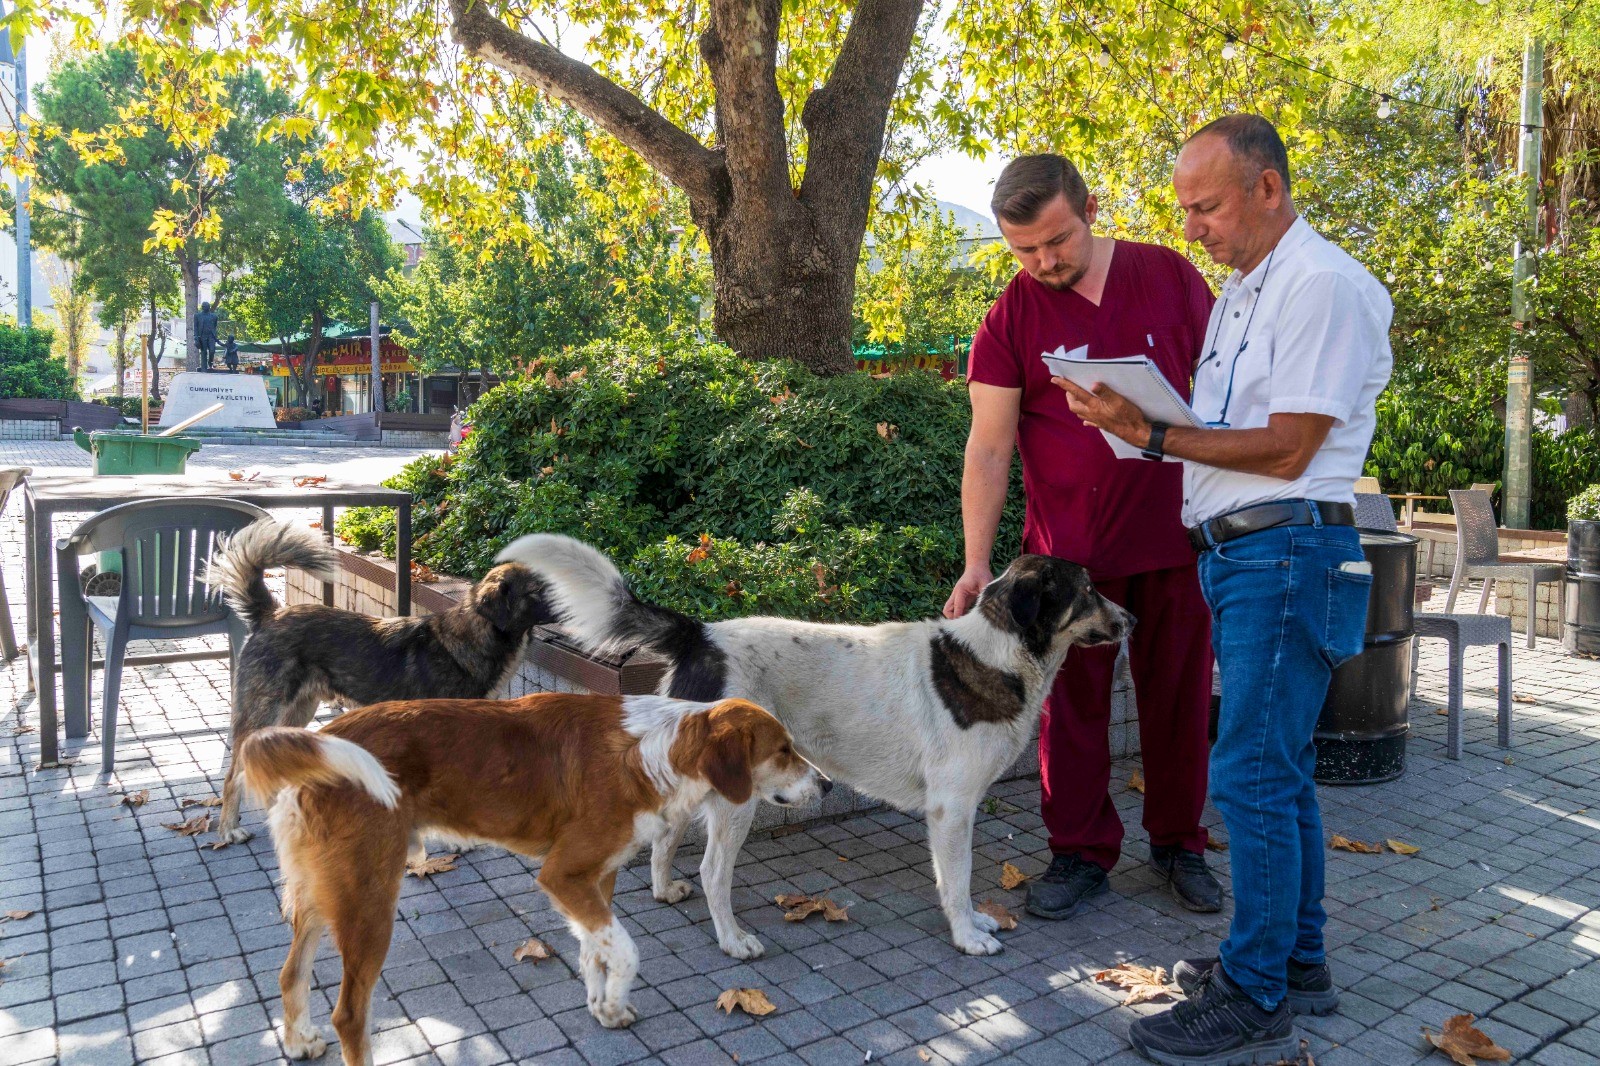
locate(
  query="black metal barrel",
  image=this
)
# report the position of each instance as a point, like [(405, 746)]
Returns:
[(1361, 734), (1580, 630)]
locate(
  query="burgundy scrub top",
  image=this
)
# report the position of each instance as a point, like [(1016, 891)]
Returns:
[(1114, 516)]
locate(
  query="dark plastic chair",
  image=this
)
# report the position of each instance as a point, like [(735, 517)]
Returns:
[(9, 479), (165, 546)]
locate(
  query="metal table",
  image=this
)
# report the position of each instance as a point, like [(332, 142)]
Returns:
[(46, 497)]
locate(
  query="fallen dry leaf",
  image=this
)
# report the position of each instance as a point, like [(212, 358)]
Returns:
[(1517, 697), (306, 481), (701, 551), (750, 1000), (1400, 847), (824, 590), (1465, 1043), (136, 799), (1442, 710), (314, 525), (888, 430), (200, 801), (1142, 984), (532, 948), (435, 864), (423, 573), (922, 1053), (237, 475), (797, 908), (1136, 782), (1340, 843), (17, 916), (998, 912), (200, 823), (1011, 877), (552, 379), (1214, 844), (783, 396), (22, 730)]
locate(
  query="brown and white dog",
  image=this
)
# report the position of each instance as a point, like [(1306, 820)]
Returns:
[(581, 781)]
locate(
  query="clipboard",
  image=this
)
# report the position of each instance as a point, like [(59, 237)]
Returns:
[(1134, 377)]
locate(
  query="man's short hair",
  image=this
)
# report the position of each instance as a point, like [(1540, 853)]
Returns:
[(1254, 142), (1030, 181)]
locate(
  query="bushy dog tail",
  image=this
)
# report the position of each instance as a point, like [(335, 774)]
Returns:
[(279, 757), (595, 605), (238, 565)]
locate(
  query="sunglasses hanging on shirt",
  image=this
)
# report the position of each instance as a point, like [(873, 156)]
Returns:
[(1244, 342)]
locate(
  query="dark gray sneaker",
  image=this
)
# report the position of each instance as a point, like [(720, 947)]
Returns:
[(1311, 988), (1061, 890), (1188, 879), (1218, 1025)]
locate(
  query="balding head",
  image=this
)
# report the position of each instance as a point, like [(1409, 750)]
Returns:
[(1254, 144), (1232, 181)]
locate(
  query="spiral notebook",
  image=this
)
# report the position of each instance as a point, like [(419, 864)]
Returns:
[(1134, 377)]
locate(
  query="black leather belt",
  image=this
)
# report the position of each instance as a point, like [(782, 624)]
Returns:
[(1256, 517)]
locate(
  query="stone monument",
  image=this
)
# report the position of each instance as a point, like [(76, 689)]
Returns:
[(244, 399)]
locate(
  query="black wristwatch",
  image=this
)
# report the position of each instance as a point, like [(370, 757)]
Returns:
[(1155, 449)]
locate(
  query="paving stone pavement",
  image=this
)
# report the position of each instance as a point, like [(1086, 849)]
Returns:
[(151, 947)]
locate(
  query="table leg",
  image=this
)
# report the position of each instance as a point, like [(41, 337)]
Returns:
[(77, 651), (327, 533), (42, 638), (27, 588), (402, 559)]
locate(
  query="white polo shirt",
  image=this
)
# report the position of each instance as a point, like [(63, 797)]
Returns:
[(1317, 343)]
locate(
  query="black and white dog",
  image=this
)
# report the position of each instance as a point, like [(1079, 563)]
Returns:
[(924, 716)]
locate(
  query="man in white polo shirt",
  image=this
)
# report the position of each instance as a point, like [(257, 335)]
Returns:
[(1297, 351)]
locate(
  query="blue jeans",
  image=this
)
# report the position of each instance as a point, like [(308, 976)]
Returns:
[(1283, 615)]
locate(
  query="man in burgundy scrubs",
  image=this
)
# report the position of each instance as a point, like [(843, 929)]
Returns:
[(1119, 518)]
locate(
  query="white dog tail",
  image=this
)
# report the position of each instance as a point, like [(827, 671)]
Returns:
[(281, 757), (237, 566), (596, 606)]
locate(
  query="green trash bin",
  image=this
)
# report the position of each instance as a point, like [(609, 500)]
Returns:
[(133, 453), (136, 453)]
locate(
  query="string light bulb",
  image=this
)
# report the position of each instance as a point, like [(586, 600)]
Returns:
[(1385, 107), (1230, 50), (1104, 58), (1389, 277)]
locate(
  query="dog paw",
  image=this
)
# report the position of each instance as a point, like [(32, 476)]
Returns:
[(614, 1015), (304, 1044), (986, 923), (976, 943), (236, 835), (743, 945), (675, 892)]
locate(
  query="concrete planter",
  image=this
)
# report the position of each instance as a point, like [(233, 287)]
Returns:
[(550, 664)]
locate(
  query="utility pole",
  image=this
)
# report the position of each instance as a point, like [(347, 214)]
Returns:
[(1519, 372), (19, 96), (377, 363)]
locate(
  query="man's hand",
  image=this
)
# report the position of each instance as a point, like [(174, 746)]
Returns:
[(1106, 409), (966, 591)]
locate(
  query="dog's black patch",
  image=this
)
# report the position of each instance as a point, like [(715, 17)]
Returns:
[(972, 690), (701, 668)]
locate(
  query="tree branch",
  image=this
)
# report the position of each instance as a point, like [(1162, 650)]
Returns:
[(845, 118), (678, 156), (740, 49)]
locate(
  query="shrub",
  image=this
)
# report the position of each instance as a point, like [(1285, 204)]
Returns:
[(721, 486), (1562, 466), (27, 370), (1585, 506)]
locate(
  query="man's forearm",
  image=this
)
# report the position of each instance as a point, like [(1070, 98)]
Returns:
[(984, 481), (1262, 451)]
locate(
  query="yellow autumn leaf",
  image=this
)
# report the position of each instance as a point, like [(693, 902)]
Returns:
[(532, 948), (1142, 983), (437, 864), (1401, 848), (1011, 876), (750, 1000)]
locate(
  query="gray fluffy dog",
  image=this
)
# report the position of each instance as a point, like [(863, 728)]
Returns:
[(297, 657)]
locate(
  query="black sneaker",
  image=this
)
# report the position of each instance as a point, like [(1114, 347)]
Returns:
[(1311, 988), (1188, 879), (1217, 1026), (1061, 890)]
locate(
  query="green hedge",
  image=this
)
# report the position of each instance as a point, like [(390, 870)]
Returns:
[(27, 372), (720, 485), (1438, 430)]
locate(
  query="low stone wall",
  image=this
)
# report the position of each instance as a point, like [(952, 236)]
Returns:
[(366, 584), (29, 429), (414, 438)]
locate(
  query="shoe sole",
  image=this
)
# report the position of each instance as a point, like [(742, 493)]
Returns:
[(1068, 912), (1188, 904), (1314, 1003), (1265, 1053)]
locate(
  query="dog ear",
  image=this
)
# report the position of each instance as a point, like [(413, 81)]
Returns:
[(1023, 598), (726, 763)]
